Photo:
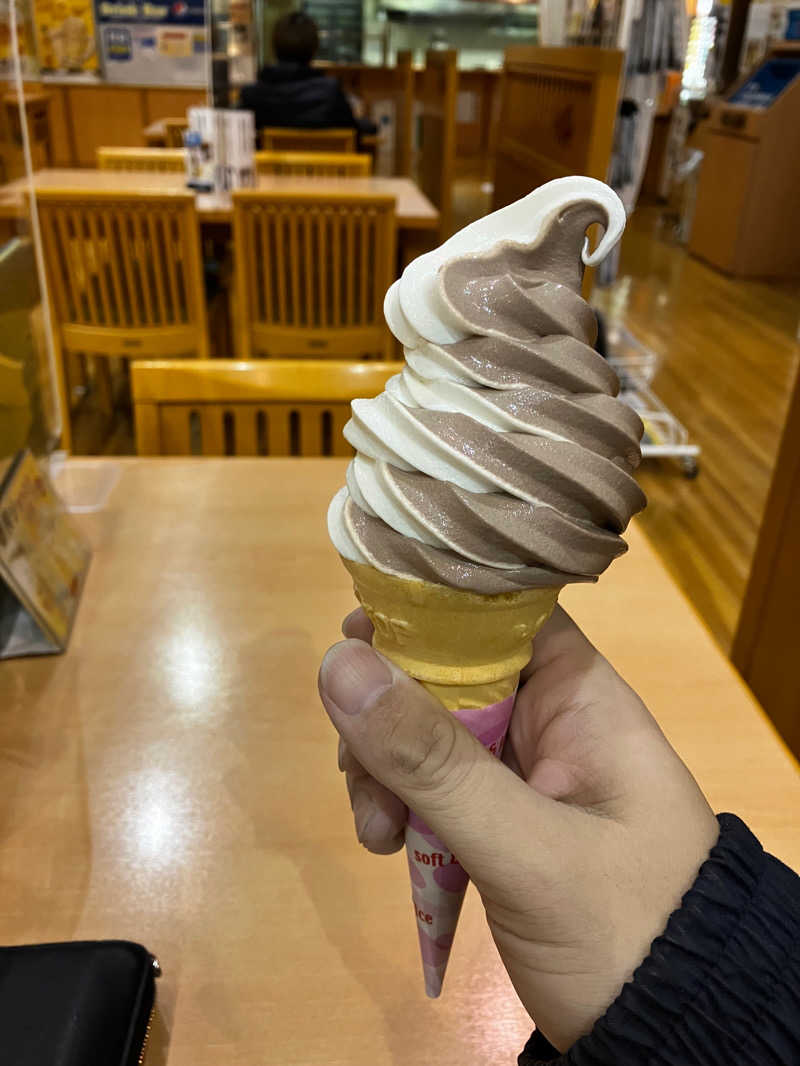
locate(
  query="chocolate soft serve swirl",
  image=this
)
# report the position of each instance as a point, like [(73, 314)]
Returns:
[(500, 458)]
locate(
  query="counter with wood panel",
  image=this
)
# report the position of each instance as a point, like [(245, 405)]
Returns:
[(85, 117)]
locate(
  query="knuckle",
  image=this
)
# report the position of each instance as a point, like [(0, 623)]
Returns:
[(426, 754), (386, 847), (419, 745)]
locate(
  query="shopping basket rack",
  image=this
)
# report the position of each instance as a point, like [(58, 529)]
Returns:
[(664, 435)]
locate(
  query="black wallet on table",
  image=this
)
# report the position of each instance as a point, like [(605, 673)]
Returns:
[(86, 1003)]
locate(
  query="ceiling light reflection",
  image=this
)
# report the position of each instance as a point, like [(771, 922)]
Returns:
[(191, 660), (162, 823)]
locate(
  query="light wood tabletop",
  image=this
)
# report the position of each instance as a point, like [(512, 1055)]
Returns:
[(413, 209), (172, 777)]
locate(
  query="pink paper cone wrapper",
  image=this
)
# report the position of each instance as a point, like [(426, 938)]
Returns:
[(438, 880)]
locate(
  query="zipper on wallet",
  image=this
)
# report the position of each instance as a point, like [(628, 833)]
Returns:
[(146, 1038)]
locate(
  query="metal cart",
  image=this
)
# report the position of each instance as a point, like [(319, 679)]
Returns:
[(664, 435)]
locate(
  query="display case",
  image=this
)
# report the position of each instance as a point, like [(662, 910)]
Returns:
[(747, 195), (480, 30)]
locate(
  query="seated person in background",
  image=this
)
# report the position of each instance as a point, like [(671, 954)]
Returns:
[(292, 93)]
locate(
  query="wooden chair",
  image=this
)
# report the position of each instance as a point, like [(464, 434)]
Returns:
[(404, 111), (378, 87), (316, 164), (174, 129), (272, 407), (36, 105), (558, 107), (124, 274), (155, 159), (436, 155), (275, 139), (311, 270)]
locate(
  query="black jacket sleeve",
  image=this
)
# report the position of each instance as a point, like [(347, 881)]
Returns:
[(341, 111), (721, 985)]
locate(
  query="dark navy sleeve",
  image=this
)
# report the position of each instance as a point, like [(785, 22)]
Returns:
[(721, 985), (341, 111)]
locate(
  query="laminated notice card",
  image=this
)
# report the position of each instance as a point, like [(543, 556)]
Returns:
[(43, 562)]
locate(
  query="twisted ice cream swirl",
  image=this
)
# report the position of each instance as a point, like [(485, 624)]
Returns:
[(500, 458)]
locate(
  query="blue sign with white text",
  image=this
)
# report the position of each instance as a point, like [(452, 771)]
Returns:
[(149, 43), (764, 87)]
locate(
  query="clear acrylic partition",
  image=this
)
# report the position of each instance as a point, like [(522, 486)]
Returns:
[(234, 32), (30, 410)]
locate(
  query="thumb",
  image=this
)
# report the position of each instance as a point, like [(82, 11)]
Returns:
[(498, 826)]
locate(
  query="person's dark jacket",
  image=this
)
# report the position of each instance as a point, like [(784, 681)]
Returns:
[(294, 94), (721, 985)]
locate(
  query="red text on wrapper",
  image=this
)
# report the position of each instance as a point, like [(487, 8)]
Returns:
[(437, 858)]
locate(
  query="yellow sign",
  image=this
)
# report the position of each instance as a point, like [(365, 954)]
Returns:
[(43, 562), (65, 36), (25, 43)]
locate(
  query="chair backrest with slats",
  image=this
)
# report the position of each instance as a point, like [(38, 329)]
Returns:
[(174, 129), (437, 132), (273, 407), (404, 111), (377, 87), (558, 110), (315, 164), (312, 269), (275, 139), (155, 159), (124, 272)]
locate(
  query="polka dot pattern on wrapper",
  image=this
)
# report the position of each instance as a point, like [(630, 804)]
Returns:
[(438, 881)]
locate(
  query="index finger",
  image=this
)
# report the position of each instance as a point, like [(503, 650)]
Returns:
[(358, 626), (558, 636)]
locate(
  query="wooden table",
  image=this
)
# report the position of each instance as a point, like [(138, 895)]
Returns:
[(172, 778), (414, 210)]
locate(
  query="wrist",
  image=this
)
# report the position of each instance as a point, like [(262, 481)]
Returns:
[(626, 909), (687, 1000)]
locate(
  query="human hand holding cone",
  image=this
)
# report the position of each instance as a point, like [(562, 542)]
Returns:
[(495, 469), (467, 650)]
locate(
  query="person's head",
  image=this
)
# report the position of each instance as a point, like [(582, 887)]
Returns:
[(295, 38)]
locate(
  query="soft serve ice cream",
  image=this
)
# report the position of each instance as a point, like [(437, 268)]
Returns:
[(500, 458), (493, 470)]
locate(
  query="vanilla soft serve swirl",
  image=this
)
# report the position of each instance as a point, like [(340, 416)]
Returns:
[(500, 458)]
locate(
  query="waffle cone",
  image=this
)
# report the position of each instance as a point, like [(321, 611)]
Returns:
[(467, 650)]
